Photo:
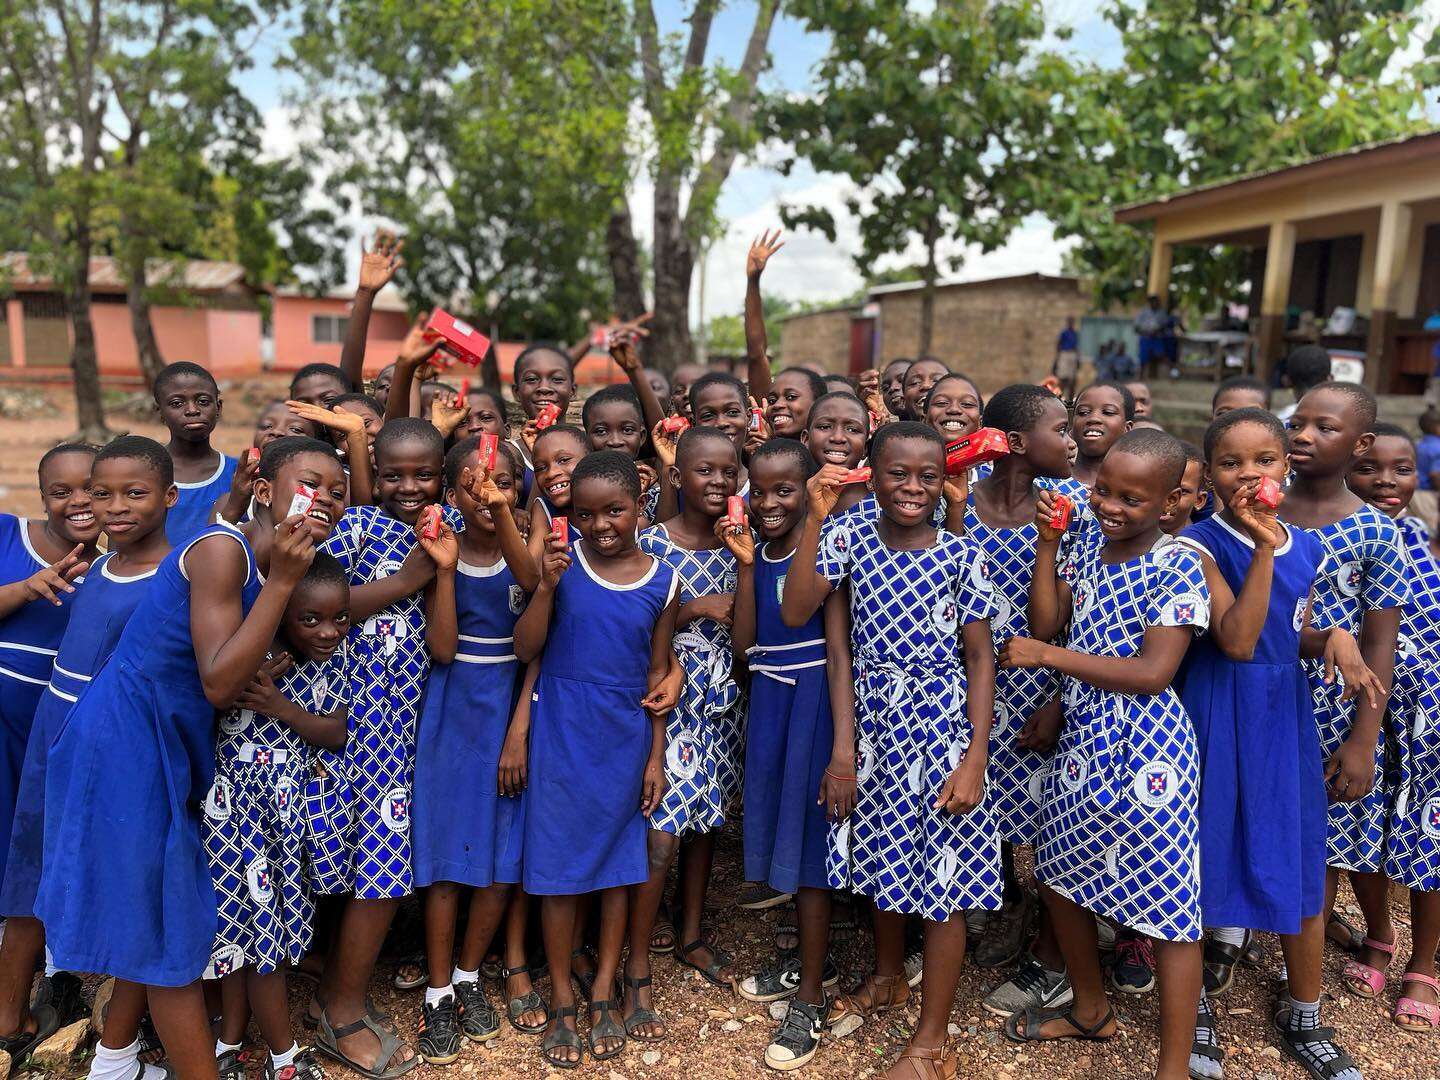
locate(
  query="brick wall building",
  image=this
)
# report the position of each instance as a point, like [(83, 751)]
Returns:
[(999, 331)]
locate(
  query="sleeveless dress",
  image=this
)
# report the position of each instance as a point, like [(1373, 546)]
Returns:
[(125, 887), (1118, 828), (911, 724), (589, 737), (191, 513), (29, 638), (1364, 569), (101, 606), (704, 736), (1412, 855), (255, 825), (1262, 780), (789, 737), (463, 826)]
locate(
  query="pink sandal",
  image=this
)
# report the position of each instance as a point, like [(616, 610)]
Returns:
[(1411, 1009), (1373, 979)]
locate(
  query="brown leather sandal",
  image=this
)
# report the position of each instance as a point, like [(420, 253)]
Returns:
[(924, 1063), (877, 994)]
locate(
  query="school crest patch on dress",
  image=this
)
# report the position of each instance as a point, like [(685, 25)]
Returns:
[(517, 599), (1430, 819), (219, 800), (1156, 783), (1074, 769), (1299, 618), (682, 755), (257, 878), (1348, 577), (225, 960), (395, 810)]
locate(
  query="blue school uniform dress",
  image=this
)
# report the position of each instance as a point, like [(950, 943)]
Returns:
[(790, 735), (1016, 774), (255, 825), (462, 824), (527, 476), (1118, 824), (388, 665), (911, 725), (29, 638), (1262, 784), (125, 886), (589, 736), (100, 608), (1412, 855), (705, 734), (191, 513), (1364, 569)]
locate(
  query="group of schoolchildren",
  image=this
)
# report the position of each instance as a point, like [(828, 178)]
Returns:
[(529, 669)]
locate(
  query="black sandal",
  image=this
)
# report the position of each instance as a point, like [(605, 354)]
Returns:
[(19, 1045), (605, 1028), (517, 1007), (1211, 1051), (712, 971), (1292, 1040), (562, 1038), (642, 1015), (1220, 960), (328, 1038), (1035, 1019), (1346, 936)]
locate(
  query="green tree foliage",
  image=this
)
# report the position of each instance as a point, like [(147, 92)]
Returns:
[(1213, 90), (942, 117)]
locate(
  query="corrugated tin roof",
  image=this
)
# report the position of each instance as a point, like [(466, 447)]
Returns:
[(911, 286), (387, 299), (196, 275)]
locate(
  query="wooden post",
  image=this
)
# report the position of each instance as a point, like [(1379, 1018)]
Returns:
[(1275, 297), (1392, 244)]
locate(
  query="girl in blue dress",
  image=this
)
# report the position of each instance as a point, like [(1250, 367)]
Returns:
[(255, 826), (125, 888), (1118, 829), (130, 489), (1385, 477), (793, 748), (922, 839), (462, 823), (189, 402), (705, 735), (388, 566), (1262, 790), (597, 745)]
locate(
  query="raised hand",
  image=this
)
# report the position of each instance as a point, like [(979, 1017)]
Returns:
[(761, 248), (738, 539), (417, 346), (444, 550), (447, 412), (622, 349), (50, 582), (1259, 521), (665, 444), (824, 490), (1044, 511), (336, 418), (480, 486), (293, 550), (556, 560), (378, 264)]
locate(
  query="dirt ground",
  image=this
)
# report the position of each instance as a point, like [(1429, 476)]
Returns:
[(720, 1037)]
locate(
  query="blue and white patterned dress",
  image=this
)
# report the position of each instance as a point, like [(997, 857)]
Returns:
[(388, 665), (1119, 821), (255, 826), (912, 726), (1412, 855), (705, 734), (1364, 569)]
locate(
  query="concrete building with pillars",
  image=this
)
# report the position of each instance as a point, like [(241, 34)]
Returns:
[(1356, 229)]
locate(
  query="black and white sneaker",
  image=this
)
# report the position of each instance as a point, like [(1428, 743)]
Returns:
[(799, 1036), (479, 1020), (762, 897), (780, 978), (438, 1035), (1032, 986)]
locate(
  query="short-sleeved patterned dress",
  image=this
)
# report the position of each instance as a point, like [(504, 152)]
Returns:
[(705, 734), (1119, 830), (912, 725), (1412, 855), (255, 826), (1364, 569)]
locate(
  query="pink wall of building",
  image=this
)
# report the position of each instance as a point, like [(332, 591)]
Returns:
[(225, 342), (295, 344)]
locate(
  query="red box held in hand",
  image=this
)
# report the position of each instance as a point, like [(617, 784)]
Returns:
[(489, 449), (756, 419), (430, 522), (735, 510), (981, 446), (674, 425), (1060, 515), (856, 476), (1269, 493), (547, 416), (458, 338), (560, 528)]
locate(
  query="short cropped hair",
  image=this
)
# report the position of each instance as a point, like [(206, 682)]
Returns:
[(1164, 449), (608, 465), (1234, 418), (139, 448)]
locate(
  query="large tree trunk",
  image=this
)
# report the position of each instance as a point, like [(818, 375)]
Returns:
[(89, 411), (148, 349), (625, 262), (670, 343)]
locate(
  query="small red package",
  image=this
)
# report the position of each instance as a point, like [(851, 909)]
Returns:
[(674, 425), (735, 510), (1060, 516), (1269, 493), (560, 527), (856, 476), (464, 391), (489, 449), (987, 444), (430, 522), (547, 416), (253, 454), (302, 500), (756, 419), (461, 340)]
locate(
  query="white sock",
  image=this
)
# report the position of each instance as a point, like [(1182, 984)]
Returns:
[(1229, 935), (434, 996), (222, 1047), (111, 1064), (50, 968), (461, 975), (280, 1061)]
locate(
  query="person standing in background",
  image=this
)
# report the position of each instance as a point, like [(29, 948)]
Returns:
[(1067, 357)]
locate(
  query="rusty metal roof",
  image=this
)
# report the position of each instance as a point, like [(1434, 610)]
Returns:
[(195, 275)]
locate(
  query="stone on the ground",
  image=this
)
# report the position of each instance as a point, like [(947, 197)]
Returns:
[(63, 1048)]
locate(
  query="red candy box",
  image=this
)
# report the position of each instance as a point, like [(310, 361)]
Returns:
[(302, 500), (756, 419), (1269, 493), (430, 522), (1060, 516), (735, 510), (489, 449), (674, 425), (458, 338), (560, 527), (856, 476), (253, 454), (547, 416), (981, 446)]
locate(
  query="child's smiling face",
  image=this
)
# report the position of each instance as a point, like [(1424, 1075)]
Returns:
[(706, 472), (777, 495), (606, 514), (190, 408), (839, 427), (788, 404), (317, 618), (919, 378), (953, 408), (477, 514), (129, 498), (616, 425), (720, 405), (1130, 496), (555, 459), (1099, 420), (1386, 475), (544, 379), (321, 472), (1192, 497), (907, 477), (486, 416), (409, 475), (69, 510)]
